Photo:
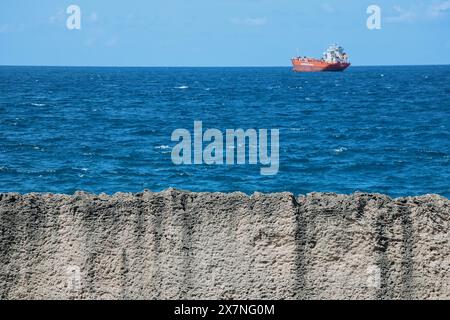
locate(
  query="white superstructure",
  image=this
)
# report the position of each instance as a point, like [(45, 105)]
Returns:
[(335, 54)]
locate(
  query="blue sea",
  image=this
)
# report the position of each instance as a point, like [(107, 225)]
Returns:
[(370, 129)]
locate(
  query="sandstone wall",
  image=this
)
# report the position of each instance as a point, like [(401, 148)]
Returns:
[(183, 245)]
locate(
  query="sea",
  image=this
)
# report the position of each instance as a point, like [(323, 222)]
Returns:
[(107, 130)]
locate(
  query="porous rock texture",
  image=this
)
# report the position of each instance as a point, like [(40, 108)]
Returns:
[(183, 245)]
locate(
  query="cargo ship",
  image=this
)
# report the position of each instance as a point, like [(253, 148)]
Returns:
[(334, 59)]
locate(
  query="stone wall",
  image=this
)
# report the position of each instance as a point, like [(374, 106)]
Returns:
[(183, 245)]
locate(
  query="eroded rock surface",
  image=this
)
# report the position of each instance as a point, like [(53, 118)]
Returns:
[(183, 245)]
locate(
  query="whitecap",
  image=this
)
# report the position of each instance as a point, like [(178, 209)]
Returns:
[(38, 104), (297, 129), (340, 150), (182, 87), (162, 147)]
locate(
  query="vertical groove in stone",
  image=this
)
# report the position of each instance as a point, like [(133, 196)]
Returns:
[(155, 249), (8, 241), (88, 248), (35, 235), (139, 234), (124, 269), (381, 251), (300, 250), (407, 253), (186, 241)]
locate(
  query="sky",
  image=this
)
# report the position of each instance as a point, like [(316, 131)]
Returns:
[(221, 32)]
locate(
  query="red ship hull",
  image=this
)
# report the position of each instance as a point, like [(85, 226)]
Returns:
[(315, 65)]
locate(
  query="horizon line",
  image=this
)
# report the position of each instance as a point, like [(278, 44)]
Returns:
[(199, 67)]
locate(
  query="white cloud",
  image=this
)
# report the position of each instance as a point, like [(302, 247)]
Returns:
[(402, 15), (252, 22), (58, 17), (421, 12), (9, 28), (438, 9)]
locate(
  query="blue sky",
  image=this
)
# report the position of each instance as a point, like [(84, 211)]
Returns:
[(221, 32)]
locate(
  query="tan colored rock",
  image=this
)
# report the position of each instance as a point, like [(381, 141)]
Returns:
[(183, 245)]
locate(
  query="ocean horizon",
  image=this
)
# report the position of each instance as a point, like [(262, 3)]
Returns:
[(210, 67)]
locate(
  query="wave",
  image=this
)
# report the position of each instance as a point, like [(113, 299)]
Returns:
[(162, 147), (340, 150)]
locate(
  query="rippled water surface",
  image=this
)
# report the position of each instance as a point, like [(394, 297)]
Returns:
[(377, 129)]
